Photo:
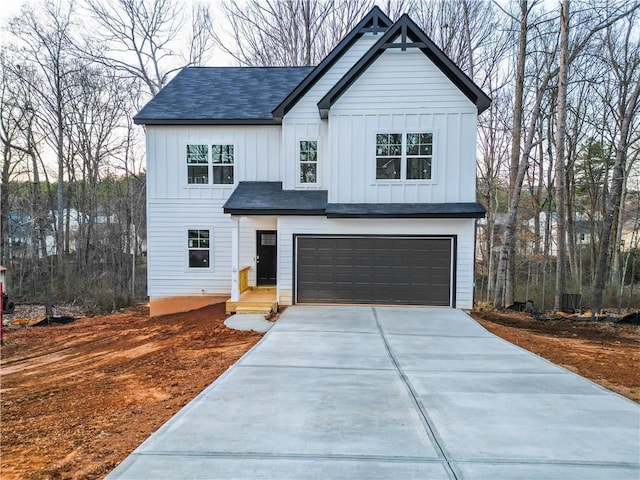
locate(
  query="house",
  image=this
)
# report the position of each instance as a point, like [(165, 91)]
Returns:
[(352, 182)]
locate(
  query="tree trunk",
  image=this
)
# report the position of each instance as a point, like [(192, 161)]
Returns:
[(613, 199), (506, 273), (561, 270)]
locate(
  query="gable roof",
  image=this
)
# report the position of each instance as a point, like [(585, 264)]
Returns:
[(374, 21), (411, 36), (221, 96)]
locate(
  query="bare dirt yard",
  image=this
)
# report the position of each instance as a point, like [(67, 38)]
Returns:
[(605, 352), (76, 399)]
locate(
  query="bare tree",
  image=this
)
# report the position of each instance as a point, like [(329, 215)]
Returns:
[(45, 49), (289, 32), (624, 63), (139, 38), (561, 259)]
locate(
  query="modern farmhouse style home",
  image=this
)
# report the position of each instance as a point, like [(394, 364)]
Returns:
[(352, 182)]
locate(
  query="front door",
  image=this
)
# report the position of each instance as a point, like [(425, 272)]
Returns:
[(266, 257)]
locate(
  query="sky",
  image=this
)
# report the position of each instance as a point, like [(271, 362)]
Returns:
[(9, 8)]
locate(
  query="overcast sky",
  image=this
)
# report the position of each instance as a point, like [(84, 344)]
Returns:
[(9, 8)]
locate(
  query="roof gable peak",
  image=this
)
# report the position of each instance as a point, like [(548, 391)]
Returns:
[(375, 21), (410, 36)]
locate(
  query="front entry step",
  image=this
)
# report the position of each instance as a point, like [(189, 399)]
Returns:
[(265, 309)]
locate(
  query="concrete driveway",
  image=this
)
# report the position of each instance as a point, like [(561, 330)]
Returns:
[(393, 393)]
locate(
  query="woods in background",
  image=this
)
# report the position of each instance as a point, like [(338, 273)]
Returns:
[(557, 150)]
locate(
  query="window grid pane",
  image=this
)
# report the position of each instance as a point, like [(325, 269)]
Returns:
[(197, 174), (388, 168), (222, 154), (418, 168), (197, 154), (223, 174), (308, 173)]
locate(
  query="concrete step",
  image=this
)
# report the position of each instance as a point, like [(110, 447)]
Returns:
[(262, 309)]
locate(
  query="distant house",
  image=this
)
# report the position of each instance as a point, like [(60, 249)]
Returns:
[(350, 182)]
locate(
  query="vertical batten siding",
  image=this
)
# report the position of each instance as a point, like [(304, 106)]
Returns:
[(401, 92), (307, 107), (398, 81), (257, 158), (292, 133), (463, 228), (304, 116)]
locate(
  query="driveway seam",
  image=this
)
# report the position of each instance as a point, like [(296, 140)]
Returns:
[(292, 456), (426, 421)]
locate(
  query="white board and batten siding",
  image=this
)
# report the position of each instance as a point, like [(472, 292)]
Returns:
[(463, 229), (402, 92), (174, 206), (303, 121)]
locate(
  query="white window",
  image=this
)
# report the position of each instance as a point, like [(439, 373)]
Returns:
[(222, 157), (308, 154), (210, 164), (199, 248), (198, 164), (404, 156)]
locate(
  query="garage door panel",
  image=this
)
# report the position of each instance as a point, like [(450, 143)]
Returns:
[(391, 270)]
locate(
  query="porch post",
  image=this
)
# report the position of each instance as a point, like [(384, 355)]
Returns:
[(235, 258)]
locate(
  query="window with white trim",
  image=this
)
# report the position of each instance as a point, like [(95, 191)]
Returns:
[(222, 158), (199, 248), (404, 156), (308, 154), (210, 164), (198, 164)]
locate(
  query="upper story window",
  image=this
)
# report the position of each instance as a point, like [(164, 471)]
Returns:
[(309, 161), (210, 164), (198, 164), (401, 156), (222, 157)]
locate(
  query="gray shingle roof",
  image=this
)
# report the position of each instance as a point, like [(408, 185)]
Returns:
[(221, 95), (268, 198)]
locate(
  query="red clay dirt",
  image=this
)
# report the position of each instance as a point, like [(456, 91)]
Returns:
[(604, 352), (78, 398)]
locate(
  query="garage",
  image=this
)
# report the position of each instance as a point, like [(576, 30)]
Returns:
[(396, 270)]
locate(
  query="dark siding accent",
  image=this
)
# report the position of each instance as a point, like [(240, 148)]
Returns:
[(374, 270)]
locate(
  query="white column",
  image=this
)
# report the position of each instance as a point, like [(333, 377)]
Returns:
[(235, 258)]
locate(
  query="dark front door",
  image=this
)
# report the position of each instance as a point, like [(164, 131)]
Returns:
[(266, 257)]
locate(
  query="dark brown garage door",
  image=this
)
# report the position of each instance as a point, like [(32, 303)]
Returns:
[(384, 270)]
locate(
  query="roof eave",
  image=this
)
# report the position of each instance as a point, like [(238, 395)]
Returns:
[(205, 121), (406, 215), (277, 211)]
